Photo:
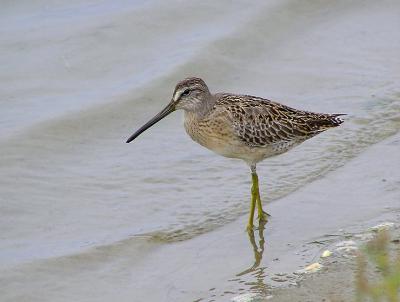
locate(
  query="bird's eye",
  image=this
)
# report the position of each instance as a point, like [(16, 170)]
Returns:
[(186, 92)]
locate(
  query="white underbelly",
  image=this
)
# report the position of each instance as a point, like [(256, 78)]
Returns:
[(234, 148)]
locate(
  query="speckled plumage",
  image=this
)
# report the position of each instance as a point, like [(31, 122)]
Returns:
[(251, 128), (242, 126)]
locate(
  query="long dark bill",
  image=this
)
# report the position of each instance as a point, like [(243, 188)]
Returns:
[(167, 110)]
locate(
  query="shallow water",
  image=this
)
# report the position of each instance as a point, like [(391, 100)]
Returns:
[(78, 78)]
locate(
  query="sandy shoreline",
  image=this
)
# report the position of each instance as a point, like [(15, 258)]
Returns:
[(336, 281)]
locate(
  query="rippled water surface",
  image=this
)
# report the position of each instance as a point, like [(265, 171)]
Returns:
[(78, 77)]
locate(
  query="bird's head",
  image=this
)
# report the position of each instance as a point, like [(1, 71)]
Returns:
[(190, 94)]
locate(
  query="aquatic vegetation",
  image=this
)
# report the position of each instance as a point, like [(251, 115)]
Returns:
[(384, 283)]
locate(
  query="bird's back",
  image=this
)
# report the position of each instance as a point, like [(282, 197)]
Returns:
[(259, 122), (252, 128)]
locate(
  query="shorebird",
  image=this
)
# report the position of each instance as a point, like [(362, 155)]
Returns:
[(242, 126)]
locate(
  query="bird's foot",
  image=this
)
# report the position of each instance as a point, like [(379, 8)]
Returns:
[(263, 216)]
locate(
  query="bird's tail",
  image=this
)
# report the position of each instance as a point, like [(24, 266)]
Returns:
[(325, 121)]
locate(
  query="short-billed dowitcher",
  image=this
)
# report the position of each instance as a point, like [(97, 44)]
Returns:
[(242, 126)]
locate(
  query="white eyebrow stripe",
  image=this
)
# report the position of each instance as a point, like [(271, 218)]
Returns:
[(177, 94)]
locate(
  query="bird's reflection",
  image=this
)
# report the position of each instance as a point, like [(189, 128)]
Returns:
[(257, 249)]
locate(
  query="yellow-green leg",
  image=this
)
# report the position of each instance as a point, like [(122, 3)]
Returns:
[(254, 190), (262, 216), (255, 198)]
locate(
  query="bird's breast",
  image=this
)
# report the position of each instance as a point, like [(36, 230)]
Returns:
[(214, 134), (219, 136)]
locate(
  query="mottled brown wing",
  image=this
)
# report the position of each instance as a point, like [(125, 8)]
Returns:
[(259, 122)]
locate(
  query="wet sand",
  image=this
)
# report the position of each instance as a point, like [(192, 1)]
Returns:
[(336, 280)]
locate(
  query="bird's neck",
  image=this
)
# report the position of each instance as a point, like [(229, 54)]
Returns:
[(202, 110)]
